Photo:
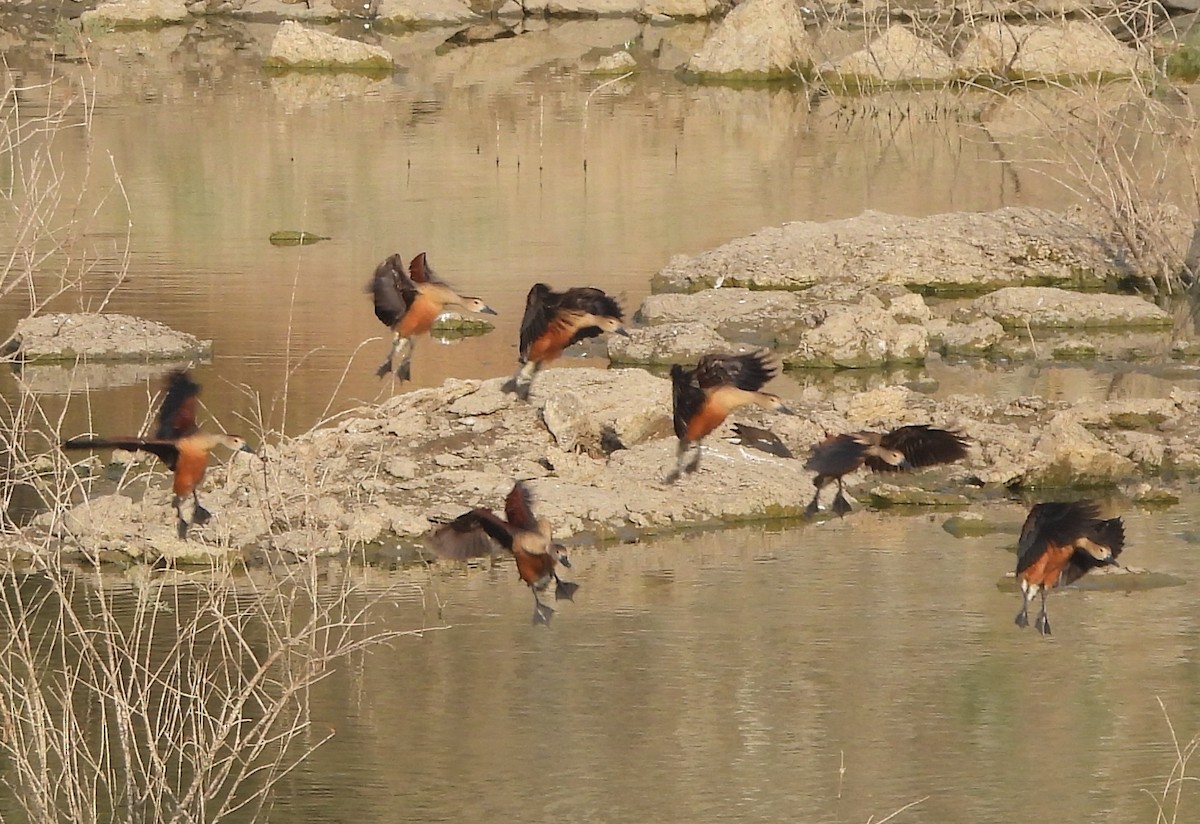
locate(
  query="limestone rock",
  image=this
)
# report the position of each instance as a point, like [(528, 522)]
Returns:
[(633, 407), (1050, 51), (312, 10), (855, 338), (1046, 307), (732, 313), (137, 12), (758, 39), (105, 337), (979, 337), (616, 63), (666, 344), (425, 12), (296, 46), (681, 9), (898, 56)]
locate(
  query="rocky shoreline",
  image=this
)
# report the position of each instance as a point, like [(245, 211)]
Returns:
[(596, 443)]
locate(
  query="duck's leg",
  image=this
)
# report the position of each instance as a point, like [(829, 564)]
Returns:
[(386, 366), (1042, 622), (181, 523), (522, 379), (1027, 592), (840, 505), (200, 515), (564, 590), (404, 370), (694, 463), (542, 613), (681, 461), (814, 506)]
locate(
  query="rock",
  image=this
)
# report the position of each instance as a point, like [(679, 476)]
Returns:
[(424, 12), (666, 344), (855, 338), (295, 46), (892, 495), (959, 253), (457, 325), (910, 308), (581, 8), (310, 10), (103, 337), (979, 337), (1067, 455), (896, 57), (616, 63), (680, 9), (1047, 52), (635, 406), (137, 13), (736, 314), (1045, 307), (976, 525), (759, 39)]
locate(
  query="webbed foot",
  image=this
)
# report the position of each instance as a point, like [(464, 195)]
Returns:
[(542, 613), (565, 590), (384, 368), (840, 505)]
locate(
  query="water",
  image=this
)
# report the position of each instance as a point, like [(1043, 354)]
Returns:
[(734, 675), (830, 673)]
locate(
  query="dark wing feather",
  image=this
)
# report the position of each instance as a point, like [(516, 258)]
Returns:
[(473, 534), (594, 302), (420, 271), (1055, 523), (177, 415), (392, 290), (1109, 533), (749, 372), (762, 439), (167, 451), (518, 508), (539, 304), (837, 456), (686, 398), (921, 445)]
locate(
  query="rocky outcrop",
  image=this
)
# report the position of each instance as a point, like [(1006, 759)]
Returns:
[(1047, 52), (896, 57), (295, 46), (732, 313), (1018, 307), (947, 253), (758, 40), (859, 337), (595, 445), (137, 13), (425, 12), (666, 344), (100, 337)]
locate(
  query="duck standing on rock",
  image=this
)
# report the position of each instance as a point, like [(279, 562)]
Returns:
[(703, 396), (529, 539), (555, 320), (408, 304), (179, 442), (1059, 543), (908, 447)]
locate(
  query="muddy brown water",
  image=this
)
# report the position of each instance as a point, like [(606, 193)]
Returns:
[(823, 673)]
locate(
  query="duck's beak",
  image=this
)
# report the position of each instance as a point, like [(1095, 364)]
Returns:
[(487, 310)]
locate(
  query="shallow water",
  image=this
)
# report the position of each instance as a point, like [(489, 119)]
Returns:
[(824, 673), (733, 675)]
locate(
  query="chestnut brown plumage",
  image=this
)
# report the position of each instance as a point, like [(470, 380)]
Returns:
[(409, 303), (703, 396), (530, 540), (178, 442), (1061, 542), (555, 320), (908, 447)]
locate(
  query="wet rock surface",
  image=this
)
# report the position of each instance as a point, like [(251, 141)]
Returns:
[(296, 46)]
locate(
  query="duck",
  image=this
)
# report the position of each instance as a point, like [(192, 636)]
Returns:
[(901, 449), (178, 443), (476, 533), (704, 395), (409, 302), (1060, 543), (555, 320)]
